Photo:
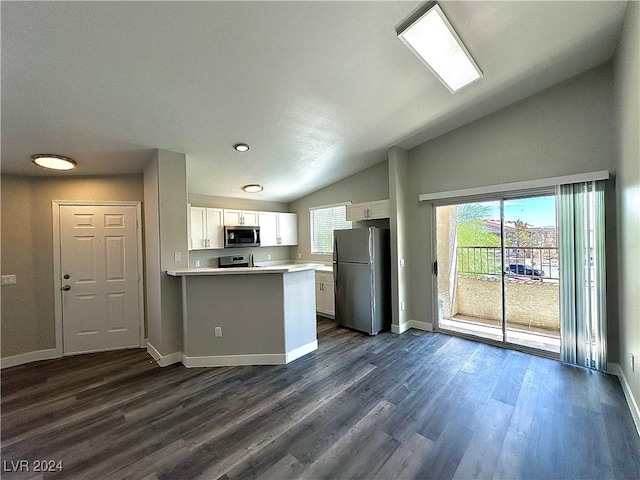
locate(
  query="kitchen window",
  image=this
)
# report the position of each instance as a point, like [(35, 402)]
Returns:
[(324, 220)]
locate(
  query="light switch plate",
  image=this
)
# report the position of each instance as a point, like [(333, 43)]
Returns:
[(8, 279), (177, 256)]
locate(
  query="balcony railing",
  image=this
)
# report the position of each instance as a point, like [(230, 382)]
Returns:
[(519, 261)]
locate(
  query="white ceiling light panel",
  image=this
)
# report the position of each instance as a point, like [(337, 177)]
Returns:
[(434, 41)]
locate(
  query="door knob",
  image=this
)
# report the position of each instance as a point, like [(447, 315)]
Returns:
[(66, 288)]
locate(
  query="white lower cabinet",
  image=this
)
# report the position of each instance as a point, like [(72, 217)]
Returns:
[(325, 301)]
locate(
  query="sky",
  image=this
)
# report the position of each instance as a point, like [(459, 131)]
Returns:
[(536, 211)]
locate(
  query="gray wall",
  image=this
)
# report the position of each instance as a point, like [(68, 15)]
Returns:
[(209, 258), (627, 88), (398, 181), (165, 209), (563, 130), (367, 185), (28, 319), (266, 313)]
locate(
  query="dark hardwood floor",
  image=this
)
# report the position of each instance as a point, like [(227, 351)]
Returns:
[(417, 405)]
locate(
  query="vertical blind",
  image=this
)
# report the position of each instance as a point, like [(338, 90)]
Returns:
[(324, 220), (582, 281)]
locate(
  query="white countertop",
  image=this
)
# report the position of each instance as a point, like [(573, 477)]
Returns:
[(324, 268), (284, 268)]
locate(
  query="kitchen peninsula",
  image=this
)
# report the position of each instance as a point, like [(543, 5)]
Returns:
[(247, 315)]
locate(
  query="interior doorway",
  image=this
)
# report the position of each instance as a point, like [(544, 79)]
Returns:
[(498, 274), (98, 276)]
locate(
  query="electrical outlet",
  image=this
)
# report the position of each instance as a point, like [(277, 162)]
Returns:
[(268, 256), (197, 263), (177, 256), (402, 262), (218, 331), (402, 306), (8, 279), (299, 255)]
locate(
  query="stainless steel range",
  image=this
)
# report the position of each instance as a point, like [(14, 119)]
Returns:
[(236, 261)]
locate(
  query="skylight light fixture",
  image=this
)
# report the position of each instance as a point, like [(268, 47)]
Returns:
[(434, 41), (53, 162)]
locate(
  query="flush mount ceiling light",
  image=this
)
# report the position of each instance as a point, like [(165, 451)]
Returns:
[(53, 162), (434, 41), (252, 188), (241, 147)]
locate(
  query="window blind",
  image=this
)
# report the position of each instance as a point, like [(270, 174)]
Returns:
[(324, 220)]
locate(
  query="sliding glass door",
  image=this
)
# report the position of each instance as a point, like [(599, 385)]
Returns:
[(531, 282), (497, 271)]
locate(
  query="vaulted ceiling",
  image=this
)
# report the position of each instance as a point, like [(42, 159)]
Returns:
[(320, 90)]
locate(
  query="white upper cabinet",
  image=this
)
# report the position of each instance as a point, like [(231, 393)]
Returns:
[(205, 228), (240, 217), (278, 229), (288, 228), (197, 234), (268, 222), (215, 236), (368, 210)]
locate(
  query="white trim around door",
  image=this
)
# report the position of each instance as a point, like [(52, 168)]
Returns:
[(57, 285)]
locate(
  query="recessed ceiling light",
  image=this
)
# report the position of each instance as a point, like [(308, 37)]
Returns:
[(241, 147), (252, 188), (53, 162), (434, 41)]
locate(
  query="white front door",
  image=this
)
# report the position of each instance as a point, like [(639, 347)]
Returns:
[(99, 270)]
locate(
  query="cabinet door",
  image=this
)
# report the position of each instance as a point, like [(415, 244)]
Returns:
[(357, 211), (250, 218), (288, 229), (329, 301), (197, 231), (232, 217), (378, 209), (268, 222), (319, 297), (214, 228)]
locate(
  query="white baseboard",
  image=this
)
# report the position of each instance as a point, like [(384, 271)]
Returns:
[(427, 327), (615, 369), (29, 357), (235, 360), (249, 359), (301, 351), (403, 327), (163, 360)]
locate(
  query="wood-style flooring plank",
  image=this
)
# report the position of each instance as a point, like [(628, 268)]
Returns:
[(415, 406)]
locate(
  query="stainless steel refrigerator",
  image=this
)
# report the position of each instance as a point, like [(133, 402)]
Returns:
[(361, 274)]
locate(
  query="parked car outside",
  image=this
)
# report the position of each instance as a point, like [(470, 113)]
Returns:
[(523, 269)]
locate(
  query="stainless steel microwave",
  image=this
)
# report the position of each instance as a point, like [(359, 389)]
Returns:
[(241, 236)]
